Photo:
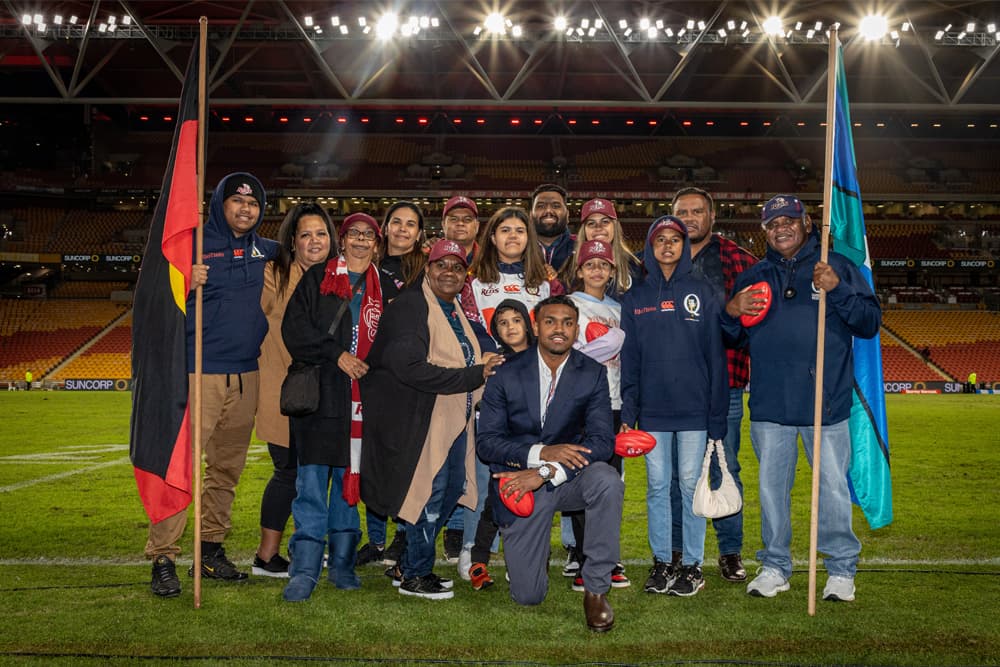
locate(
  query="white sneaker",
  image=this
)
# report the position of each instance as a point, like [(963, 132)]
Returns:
[(465, 564), (839, 589), (768, 583)]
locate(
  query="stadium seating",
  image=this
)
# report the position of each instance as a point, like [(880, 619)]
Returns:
[(109, 357), (960, 342), (37, 334)]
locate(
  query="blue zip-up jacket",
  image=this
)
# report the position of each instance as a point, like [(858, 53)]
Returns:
[(674, 372), (233, 324), (783, 345)]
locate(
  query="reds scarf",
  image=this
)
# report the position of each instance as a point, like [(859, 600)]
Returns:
[(338, 282)]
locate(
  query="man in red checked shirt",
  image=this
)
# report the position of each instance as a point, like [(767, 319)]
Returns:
[(718, 260)]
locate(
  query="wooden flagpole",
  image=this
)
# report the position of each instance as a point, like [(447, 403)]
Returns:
[(831, 110), (199, 248)]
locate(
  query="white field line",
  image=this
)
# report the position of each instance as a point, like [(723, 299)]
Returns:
[(61, 475), (862, 564)]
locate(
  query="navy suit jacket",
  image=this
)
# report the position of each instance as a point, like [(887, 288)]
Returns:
[(510, 417)]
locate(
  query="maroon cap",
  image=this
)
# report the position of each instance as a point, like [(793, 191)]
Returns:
[(360, 217), (666, 222), (458, 201), (595, 249), (598, 206), (444, 248)]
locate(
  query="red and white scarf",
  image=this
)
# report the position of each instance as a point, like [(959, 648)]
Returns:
[(337, 281)]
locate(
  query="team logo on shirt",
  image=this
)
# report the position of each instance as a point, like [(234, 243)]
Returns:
[(238, 253), (815, 291), (667, 306), (512, 289), (255, 253), (692, 306)]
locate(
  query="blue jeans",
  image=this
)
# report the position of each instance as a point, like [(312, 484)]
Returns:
[(471, 517), (728, 530), (777, 448), (446, 489), (376, 527), (319, 508), (690, 446)]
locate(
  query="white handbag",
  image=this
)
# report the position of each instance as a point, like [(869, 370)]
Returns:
[(723, 501)]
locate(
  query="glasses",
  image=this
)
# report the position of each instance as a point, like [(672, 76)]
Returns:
[(366, 234), (779, 222)]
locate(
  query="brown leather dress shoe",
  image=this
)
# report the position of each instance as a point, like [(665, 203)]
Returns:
[(600, 615)]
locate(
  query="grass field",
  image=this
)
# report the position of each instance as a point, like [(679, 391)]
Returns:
[(74, 588)]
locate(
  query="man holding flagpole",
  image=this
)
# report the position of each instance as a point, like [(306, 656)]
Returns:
[(782, 349), (232, 278)]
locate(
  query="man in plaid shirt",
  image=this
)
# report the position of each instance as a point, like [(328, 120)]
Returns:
[(718, 260)]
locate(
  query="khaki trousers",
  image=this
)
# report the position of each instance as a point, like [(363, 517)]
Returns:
[(229, 403)]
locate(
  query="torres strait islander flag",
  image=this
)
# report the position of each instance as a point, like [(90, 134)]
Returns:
[(160, 439), (871, 485)]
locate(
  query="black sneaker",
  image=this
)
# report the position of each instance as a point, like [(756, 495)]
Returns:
[(395, 549), (731, 568), (165, 582), (618, 578), (573, 560), (277, 567), (395, 573), (661, 576), (425, 587), (444, 582), (688, 582), (217, 566), (452, 544), (369, 554)]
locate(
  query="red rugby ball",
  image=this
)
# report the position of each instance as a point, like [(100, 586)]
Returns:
[(634, 443), (765, 288), (595, 330), (523, 507)]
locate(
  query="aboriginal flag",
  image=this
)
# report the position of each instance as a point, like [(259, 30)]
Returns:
[(160, 440)]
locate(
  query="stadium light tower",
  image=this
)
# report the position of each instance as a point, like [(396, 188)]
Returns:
[(386, 26), (873, 27), (773, 26)]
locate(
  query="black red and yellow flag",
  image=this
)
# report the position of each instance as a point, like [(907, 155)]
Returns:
[(160, 440)]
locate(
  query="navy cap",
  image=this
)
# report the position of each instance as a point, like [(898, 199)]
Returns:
[(782, 205)]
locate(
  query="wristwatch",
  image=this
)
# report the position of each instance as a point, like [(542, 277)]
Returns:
[(546, 472)]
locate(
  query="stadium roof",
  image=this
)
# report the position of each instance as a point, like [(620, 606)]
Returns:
[(936, 57)]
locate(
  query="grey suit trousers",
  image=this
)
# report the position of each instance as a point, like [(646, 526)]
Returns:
[(600, 492)]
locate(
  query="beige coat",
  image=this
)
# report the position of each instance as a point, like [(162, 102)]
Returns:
[(272, 426)]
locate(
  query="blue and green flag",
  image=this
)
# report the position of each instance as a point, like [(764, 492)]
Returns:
[(871, 486)]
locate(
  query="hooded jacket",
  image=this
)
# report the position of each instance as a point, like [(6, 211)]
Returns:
[(505, 305), (233, 324), (783, 344), (674, 375)]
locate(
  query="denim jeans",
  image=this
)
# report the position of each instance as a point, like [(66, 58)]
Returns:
[(728, 530), (777, 448), (319, 508), (446, 489), (690, 447), (376, 527), (471, 517)]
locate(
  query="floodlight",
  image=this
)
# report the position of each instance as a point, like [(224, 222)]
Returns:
[(628, 31), (810, 33), (73, 19), (906, 26), (690, 24), (961, 35), (38, 19), (517, 32), (731, 24), (680, 33), (560, 23), (57, 19), (425, 22), (111, 27), (722, 33), (970, 27), (334, 21), (798, 25), (386, 26), (991, 28), (26, 19), (435, 22), (668, 32), (873, 27), (773, 27), (651, 33), (643, 24), (818, 26), (126, 20), (343, 29), (622, 24), (591, 32), (494, 23), (102, 28), (308, 21), (659, 24), (584, 23), (478, 29), (598, 23), (406, 29)]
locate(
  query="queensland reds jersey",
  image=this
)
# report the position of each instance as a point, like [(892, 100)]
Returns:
[(511, 286), (601, 338)]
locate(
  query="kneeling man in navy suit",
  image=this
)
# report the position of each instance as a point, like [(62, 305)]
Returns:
[(545, 424)]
